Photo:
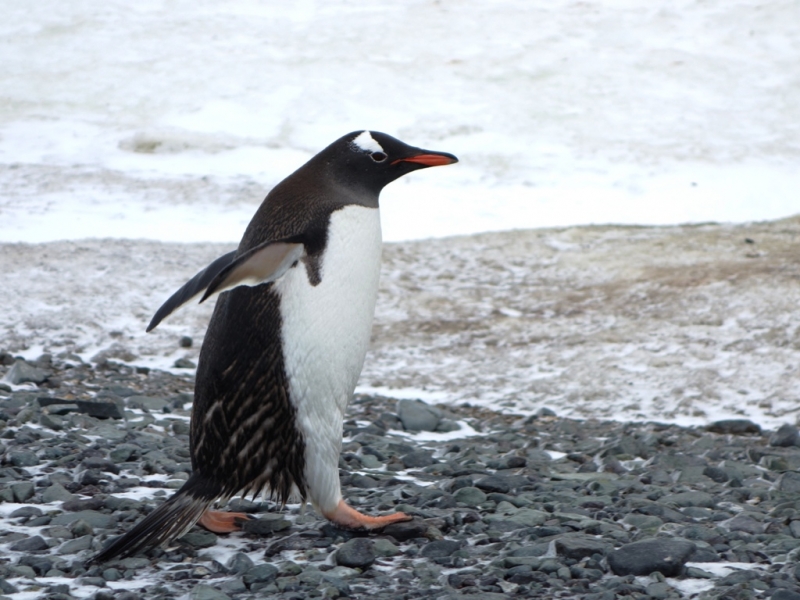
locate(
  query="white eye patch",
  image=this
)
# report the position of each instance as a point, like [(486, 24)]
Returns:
[(366, 143)]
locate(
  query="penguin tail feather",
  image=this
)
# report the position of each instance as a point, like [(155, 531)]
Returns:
[(166, 523)]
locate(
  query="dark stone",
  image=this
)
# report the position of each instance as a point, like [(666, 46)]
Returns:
[(357, 553), (102, 409), (666, 556), (31, 544), (790, 482), (417, 459), (439, 549), (787, 435), (262, 573), (40, 564), (716, 474), (184, 363), (265, 526), (785, 595), (407, 530), (185, 342), (21, 458), (580, 547), (199, 539), (734, 426), (745, 523), (494, 483), (239, 563)]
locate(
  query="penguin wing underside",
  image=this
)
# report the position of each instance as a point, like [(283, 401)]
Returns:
[(262, 264), (191, 288)]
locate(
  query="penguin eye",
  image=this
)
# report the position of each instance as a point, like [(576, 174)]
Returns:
[(378, 157)]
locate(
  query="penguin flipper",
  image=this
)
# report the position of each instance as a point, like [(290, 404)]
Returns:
[(262, 264), (191, 288)]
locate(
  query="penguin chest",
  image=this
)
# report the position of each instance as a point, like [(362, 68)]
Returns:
[(326, 327)]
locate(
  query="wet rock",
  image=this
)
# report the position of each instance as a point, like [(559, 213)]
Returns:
[(206, 592), (265, 526), (92, 517), (239, 563), (418, 416), (262, 573), (494, 483), (184, 363), (356, 553), (106, 408), (406, 530), (22, 492), (642, 558), (199, 538), (470, 496), (580, 547), (790, 482), (21, 458)]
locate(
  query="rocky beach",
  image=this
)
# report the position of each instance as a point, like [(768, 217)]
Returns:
[(541, 464)]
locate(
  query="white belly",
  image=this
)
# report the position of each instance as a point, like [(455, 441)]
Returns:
[(325, 333)]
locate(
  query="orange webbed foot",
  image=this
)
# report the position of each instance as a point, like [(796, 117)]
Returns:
[(347, 517), (218, 521)]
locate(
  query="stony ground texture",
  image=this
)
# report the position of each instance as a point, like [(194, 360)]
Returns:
[(504, 505), (680, 324)]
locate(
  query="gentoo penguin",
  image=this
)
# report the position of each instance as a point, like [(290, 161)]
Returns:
[(286, 343)]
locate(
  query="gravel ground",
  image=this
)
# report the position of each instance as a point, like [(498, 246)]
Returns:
[(504, 506)]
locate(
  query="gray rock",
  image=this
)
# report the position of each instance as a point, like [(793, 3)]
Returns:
[(417, 459), (266, 526), (203, 591), (406, 530), (31, 544), (21, 372), (199, 539), (689, 499), (659, 590), (76, 545), (148, 403), (579, 548), (92, 517), (357, 553), (418, 416), (787, 435), (785, 595), (667, 556), (184, 363), (22, 458), (734, 426), (22, 491), (239, 563), (643, 522), (470, 496), (439, 549), (494, 483), (262, 573), (25, 511), (7, 588), (384, 548), (52, 421), (790, 482), (745, 523)]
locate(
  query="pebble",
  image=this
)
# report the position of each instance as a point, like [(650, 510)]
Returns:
[(665, 556), (418, 416), (494, 515)]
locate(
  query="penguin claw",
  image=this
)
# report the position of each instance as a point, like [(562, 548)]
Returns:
[(218, 521), (347, 517)]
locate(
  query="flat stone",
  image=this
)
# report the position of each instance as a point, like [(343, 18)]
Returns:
[(494, 483), (203, 591), (265, 526), (25, 511), (439, 549), (734, 426), (579, 547), (95, 519), (148, 403), (418, 416), (643, 522), (31, 544), (105, 408), (356, 553), (667, 556), (689, 499), (406, 530)]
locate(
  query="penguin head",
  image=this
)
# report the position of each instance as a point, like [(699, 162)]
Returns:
[(371, 159)]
